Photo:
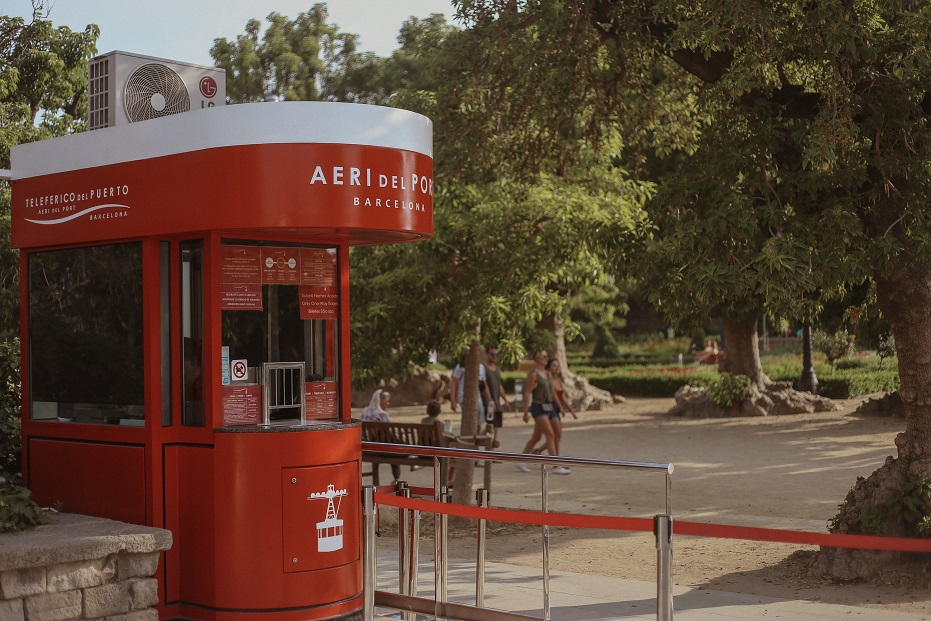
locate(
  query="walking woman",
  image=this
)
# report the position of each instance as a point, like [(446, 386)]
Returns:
[(543, 409)]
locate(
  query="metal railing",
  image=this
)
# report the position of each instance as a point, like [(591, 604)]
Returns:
[(408, 536)]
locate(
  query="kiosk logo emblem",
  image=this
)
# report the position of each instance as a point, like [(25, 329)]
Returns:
[(208, 86), (330, 530)]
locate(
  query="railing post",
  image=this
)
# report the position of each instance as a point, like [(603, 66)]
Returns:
[(415, 552), (481, 500), (441, 522), (662, 528), (369, 512), (546, 544), (404, 547)]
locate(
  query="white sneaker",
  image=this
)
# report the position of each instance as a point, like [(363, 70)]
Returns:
[(522, 467), (561, 470)]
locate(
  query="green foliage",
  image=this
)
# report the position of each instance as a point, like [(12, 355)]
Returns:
[(860, 375), (905, 506), (10, 406), (834, 346), (304, 59), (885, 348), (605, 344), (43, 93), (18, 511), (653, 381), (729, 390)]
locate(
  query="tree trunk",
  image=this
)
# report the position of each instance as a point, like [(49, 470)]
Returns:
[(904, 297), (580, 394), (742, 352), (462, 488)]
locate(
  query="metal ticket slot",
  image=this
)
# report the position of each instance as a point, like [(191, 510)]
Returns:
[(185, 319)]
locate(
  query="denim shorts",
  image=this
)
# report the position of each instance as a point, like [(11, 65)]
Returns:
[(536, 410)]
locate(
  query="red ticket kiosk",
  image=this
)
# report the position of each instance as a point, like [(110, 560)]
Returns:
[(185, 322)]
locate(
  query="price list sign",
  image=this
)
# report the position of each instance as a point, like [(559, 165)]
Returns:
[(318, 267), (242, 405), (321, 400)]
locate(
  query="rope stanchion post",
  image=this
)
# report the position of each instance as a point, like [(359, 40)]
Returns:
[(662, 529), (404, 546), (544, 484), (415, 552), (481, 500), (368, 583), (441, 570)]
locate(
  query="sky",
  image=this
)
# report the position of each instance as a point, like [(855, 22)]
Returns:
[(184, 30)]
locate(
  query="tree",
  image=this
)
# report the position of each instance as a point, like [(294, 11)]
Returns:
[(43, 94), (304, 59), (826, 105)]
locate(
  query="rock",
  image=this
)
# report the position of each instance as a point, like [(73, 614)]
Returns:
[(884, 404), (775, 399), (421, 386)]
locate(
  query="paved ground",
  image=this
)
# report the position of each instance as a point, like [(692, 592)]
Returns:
[(583, 597)]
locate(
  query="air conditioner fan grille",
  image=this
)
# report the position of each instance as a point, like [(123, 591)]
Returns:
[(153, 91)]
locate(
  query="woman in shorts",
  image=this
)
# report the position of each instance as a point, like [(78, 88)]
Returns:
[(542, 406)]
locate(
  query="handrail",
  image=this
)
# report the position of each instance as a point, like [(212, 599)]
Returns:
[(662, 526), (559, 460)]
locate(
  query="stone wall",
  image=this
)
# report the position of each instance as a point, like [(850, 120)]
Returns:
[(80, 567)]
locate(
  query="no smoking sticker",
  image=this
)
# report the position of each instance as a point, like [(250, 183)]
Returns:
[(239, 370)]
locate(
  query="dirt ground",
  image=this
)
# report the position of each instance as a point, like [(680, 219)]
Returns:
[(777, 472)]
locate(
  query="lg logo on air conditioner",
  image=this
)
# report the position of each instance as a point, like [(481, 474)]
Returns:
[(208, 88)]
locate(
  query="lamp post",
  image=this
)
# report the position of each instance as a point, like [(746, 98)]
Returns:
[(808, 381)]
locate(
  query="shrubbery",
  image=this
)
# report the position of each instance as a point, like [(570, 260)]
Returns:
[(859, 375)]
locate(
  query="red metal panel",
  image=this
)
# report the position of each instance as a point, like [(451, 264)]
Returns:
[(375, 194), (255, 520), (320, 521), (104, 480)]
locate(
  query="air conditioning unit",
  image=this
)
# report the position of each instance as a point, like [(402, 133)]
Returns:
[(126, 88)]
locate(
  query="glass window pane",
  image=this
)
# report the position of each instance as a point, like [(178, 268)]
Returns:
[(85, 335), (192, 333), (280, 305)]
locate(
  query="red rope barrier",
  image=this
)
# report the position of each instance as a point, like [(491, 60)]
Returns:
[(696, 529)]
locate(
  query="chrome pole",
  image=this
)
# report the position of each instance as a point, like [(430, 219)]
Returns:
[(369, 513), (546, 545), (444, 518), (662, 528), (440, 521), (415, 552), (481, 499), (404, 547)]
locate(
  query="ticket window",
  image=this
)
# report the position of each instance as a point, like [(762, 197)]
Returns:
[(280, 306), (85, 335)]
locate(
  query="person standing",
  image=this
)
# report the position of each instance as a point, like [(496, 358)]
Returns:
[(457, 388), (494, 411)]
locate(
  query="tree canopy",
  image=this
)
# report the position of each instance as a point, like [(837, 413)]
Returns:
[(43, 94)]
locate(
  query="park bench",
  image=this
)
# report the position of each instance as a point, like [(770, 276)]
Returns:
[(417, 434)]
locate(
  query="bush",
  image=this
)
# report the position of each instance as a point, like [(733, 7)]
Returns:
[(650, 381), (10, 406), (854, 377), (18, 511), (833, 346), (729, 390)]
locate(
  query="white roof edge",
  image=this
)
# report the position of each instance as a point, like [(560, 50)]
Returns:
[(224, 126)]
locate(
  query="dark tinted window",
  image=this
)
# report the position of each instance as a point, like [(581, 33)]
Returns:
[(85, 334)]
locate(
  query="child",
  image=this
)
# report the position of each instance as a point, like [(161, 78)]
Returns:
[(433, 415)]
